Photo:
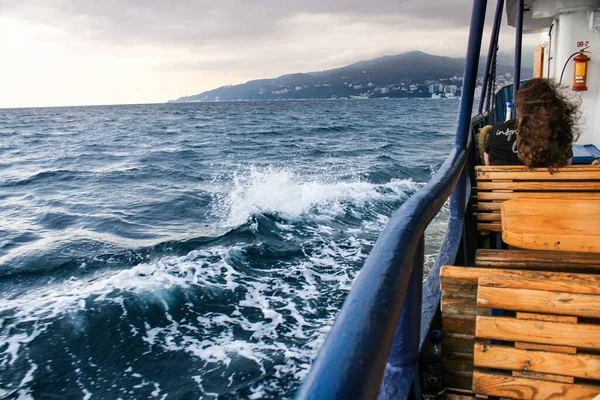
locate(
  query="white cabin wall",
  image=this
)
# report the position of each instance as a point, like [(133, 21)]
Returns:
[(569, 29)]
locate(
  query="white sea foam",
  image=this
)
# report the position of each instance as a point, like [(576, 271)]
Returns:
[(295, 300), (289, 194), (285, 307)]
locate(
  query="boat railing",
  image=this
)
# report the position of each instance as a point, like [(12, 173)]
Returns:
[(373, 347)]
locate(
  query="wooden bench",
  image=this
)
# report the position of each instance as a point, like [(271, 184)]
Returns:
[(460, 309), (550, 348), (495, 184), (553, 301)]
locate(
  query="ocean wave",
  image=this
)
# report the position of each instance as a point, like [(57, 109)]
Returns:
[(326, 129), (44, 176), (267, 323), (287, 193)]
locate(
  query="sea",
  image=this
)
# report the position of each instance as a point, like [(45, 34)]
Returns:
[(199, 250)]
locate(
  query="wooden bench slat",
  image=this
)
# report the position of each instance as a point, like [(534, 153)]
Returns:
[(546, 347), (491, 227), (512, 168), (502, 196), (460, 291), (544, 377), (489, 206), (532, 259), (567, 319), (458, 379), (462, 306), (485, 217), (518, 330), (505, 357), (587, 174), (541, 301), (523, 388), (459, 326), (555, 186), (469, 276), (457, 345), (535, 280)]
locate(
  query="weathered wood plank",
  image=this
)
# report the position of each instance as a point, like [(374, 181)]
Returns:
[(554, 186), (458, 379), (517, 330), (522, 388), (460, 291), (567, 319), (539, 301), (543, 377), (485, 217), (501, 196), (462, 306), (588, 174), (536, 260), (546, 347), (565, 283), (522, 168), (505, 357), (459, 325), (457, 345), (489, 206), (491, 227), (470, 276)]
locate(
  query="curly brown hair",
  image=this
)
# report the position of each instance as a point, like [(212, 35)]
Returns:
[(547, 124)]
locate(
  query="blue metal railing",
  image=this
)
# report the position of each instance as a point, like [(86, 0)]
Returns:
[(493, 49), (373, 347), (518, 48)]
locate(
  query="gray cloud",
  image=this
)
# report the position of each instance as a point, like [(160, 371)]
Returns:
[(198, 23)]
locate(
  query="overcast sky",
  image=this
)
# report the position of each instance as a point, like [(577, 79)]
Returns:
[(78, 52)]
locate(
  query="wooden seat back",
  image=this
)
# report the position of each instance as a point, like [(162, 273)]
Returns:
[(495, 184), (550, 347), (548, 333)]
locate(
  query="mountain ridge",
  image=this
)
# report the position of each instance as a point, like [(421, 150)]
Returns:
[(400, 75)]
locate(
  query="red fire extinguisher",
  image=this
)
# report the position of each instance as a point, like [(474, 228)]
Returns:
[(580, 72)]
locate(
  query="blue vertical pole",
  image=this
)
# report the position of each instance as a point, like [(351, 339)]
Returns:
[(403, 362), (463, 130), (470, 75), (491, 53), (518, 46)]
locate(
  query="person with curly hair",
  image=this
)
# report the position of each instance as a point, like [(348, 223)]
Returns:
[(547, 124), (543, 134)]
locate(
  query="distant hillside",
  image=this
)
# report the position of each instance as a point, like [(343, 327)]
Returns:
[(400, 75)]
